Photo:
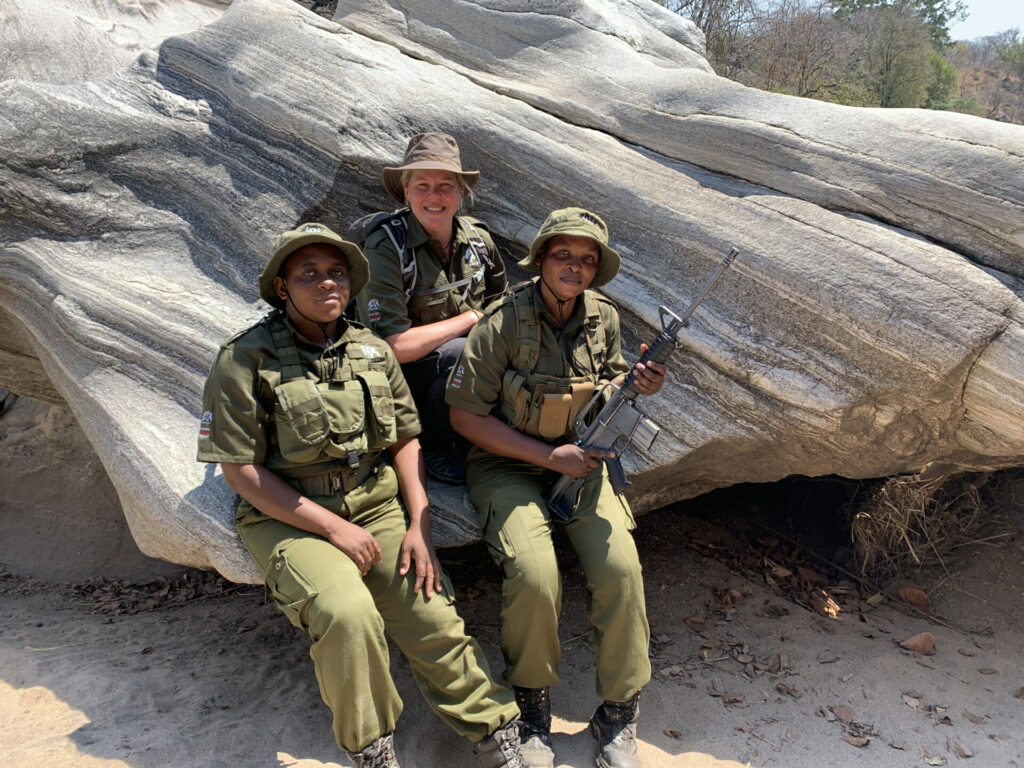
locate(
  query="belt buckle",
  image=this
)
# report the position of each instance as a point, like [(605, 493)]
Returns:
[(336, 482)]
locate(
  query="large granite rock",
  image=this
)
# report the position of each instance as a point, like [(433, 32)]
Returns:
[(871, 325)]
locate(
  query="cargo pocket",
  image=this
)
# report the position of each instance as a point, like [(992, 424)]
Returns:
[(292, 593), (627, 511), (497, 539)]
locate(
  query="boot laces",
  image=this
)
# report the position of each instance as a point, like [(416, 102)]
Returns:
[(535, 708)]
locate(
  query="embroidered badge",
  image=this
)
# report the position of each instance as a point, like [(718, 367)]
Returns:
[(204, 424), (588, 217), (374, 308), (312, 228), (371, 352), (457, 378)]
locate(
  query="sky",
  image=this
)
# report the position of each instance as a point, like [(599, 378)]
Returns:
[(988, 17)]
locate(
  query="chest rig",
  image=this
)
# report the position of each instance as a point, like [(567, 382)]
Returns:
[(536, 398), (339, 424)]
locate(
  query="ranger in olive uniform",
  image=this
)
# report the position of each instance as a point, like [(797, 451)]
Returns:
[(299, 411), (528, 368), (431, 274)]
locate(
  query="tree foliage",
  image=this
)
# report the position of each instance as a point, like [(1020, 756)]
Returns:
[(888, 53)]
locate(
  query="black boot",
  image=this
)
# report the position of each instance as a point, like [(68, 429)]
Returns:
[(501, 749), (535, 733), (614, 727), (445, 461), (380, 754)]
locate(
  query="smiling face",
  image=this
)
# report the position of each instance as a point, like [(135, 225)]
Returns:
[(314, 281), (568, 264), (434, 198)]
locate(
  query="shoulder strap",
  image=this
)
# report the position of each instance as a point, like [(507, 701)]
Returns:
[(527, 328), (594, 332), (396, 226), (284, 345), (476, 242)]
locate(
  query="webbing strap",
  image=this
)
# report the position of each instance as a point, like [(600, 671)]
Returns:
[(527, 329), (287, 352)]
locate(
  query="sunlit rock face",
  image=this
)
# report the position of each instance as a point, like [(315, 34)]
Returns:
[(872, 323)]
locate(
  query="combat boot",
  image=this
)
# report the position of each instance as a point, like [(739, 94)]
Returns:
[(614, 727), (380, 754), (501, 749), (535, 730)]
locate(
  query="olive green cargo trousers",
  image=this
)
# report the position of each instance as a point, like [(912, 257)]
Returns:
[(320, 590), (508, 496)]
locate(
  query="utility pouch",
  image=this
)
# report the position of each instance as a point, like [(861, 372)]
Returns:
[(549, 410), (381, 429), (582, 392), (302, 421), (347, 410)]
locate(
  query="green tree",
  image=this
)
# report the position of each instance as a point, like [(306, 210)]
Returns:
[(895, 60), (1013, 54), (944, 79), (937, 15)]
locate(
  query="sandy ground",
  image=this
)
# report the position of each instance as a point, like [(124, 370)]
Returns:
[(745, 676)]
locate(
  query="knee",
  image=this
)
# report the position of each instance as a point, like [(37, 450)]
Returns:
[(344, 608), (534, 577)]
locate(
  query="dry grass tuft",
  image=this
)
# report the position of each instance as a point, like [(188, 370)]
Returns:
[(906, 522)]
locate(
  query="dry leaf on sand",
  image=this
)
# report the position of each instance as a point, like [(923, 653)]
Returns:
[(922, 643), (915, 598)]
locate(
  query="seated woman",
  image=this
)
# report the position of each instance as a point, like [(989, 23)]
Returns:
[(431, 274), (528, 368), (299, 411)]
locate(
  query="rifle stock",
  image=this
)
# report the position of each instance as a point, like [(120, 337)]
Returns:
[(620, 422)]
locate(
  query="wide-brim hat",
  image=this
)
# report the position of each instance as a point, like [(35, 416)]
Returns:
[(430, 151), (307, 234), (579, 223)]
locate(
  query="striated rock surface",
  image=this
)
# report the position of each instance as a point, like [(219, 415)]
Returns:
[(871, 325)]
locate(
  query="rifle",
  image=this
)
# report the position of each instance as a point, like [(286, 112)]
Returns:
[(620, 422)]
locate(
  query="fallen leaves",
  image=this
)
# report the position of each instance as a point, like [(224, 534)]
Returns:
[(915, 598), (124, 597), (923, 643)]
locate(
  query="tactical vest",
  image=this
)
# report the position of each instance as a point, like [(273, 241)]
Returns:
[(350, 418), (396, 226), (544, 405)]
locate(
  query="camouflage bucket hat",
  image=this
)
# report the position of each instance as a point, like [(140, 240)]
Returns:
[(581, 223), (428, 151), (307, 234)]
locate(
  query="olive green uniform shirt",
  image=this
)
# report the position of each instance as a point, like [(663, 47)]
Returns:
[(382, 305), (239, 402), (475, 384)]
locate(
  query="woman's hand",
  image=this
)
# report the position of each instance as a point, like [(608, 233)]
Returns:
[(648, 376), (357, 543), (416, 545), (574, 461)]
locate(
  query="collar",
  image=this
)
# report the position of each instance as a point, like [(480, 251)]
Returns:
[(346, 332)]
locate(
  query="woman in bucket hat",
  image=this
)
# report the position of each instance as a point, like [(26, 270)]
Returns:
[(424, 302), (528, 368), (299, 410)]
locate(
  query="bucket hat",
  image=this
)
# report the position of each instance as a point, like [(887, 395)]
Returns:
[(307, 234), (580, 223), (428, 151)]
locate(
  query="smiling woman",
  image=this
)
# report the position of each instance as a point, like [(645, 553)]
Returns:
[(427, 291)]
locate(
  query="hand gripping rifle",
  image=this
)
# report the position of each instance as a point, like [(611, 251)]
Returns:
[(620, 422)]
